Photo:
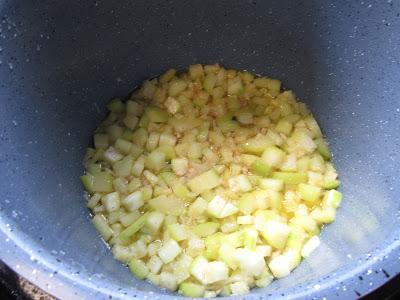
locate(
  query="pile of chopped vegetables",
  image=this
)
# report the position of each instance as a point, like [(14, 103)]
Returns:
[(210, 182)]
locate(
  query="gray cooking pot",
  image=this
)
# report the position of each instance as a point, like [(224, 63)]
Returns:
[(62, 61)]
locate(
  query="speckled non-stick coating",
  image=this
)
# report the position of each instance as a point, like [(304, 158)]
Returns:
[(61, 61)]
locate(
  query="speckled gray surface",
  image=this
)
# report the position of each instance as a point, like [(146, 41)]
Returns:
[(60, 63)]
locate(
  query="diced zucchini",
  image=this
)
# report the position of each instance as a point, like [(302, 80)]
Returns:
[(100, 222), (87, 181), (154, 264), (114, 132), (245, 118), (264, 250), (138, 268), (205, 229), (219, 208), (213, 243), (313, 126), (280, 266), (167, 76), (244, 220), (140, 136), (324, 215), (332, 198), (235, 86), (153, 222), (123, 168), (284, 126), (309, 193), (101, 182), (291, 177), (203, 182), (195, 246), (275, 199), (129, 218), (226, 123), (233, 103), (138, 166), (184, 124), (133, 201), (172, 105), (332, 184), (133, 108), (178, 232), (116, 105), (271, 184), (123, 146), (133, 228), (111, 201), (273, 85), (167, 205), (247, 203), (195, 150), (250, 237), (250, 262), (306, 222), (227, 254), (148, 88), (181, 191), (153, 278), (273, 156), (168, 151), (198, 207), (239, 288), (198, 269), (152, 141), (136, 151), (209, 82), (248, 159), (196, 71), (234, 239), (254, 179), (259, 167), (257, 144), (296, 238), (93, 200), (167, 139), (192, 290), (179, 166), (300, 142), (310, 246), (127, 135), (169, 178), (131, 121), (100, 141), (147, 192), (216, 271), (323, 148), (239, 183), (181, 267), (168, 281), (176, 87), (264, 279), (317, 163), (155, 161), (169, 251), (122, 253), (276, 233)]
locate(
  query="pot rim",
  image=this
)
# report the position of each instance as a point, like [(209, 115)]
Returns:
[(33, 262)]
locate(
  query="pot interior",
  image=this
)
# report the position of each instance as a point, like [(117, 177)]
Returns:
[(62, 62)]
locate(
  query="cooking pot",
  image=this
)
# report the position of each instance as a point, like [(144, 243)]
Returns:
[(62, 61)]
